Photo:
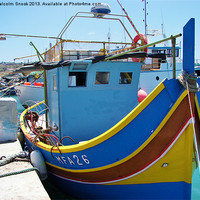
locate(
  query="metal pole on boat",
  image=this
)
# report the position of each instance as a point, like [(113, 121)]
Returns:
[(45, 81), (142, 47), (145, 16), (174, 56), (32, 36), (142, 39), (38, 53)]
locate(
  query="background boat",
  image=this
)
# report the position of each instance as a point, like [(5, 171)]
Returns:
[(31, 90)]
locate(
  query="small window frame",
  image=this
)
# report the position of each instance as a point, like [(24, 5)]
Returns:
[(124, 80), (77, 79), (54, 83), (102, 78)]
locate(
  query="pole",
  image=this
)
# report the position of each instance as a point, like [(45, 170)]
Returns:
[(145, 17), (45, 82), (174, 56), (131, 22), (38, 53), (143, 47), (32, 36)]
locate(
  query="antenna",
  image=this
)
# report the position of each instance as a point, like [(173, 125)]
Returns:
[(108, 35)]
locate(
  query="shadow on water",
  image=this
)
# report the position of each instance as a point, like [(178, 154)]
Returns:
[(54, 192)]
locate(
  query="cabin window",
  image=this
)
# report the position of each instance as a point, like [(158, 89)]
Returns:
[(102, 77), (80, 66), (169, 52), (125, 77), (77, 79), (54, 83)]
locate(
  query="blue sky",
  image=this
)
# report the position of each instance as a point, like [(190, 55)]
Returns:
[(49, 20)]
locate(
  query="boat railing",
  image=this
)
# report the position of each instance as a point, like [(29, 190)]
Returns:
[(58, 52), (173, 40), (110, 17)]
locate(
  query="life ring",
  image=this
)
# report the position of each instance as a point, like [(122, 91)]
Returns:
[(135, 40)]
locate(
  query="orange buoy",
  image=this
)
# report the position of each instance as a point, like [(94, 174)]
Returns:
[(141, 95), (27, 83)]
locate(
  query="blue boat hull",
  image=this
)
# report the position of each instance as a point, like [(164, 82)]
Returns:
[(173, 190), (154, 161)]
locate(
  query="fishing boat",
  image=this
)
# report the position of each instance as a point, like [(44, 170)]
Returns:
[(154, 70), (30, 93), (7, 85), (98, 142), (31, 89)]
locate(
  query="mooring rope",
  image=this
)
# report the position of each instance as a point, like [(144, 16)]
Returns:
[(5, 160), (20, 172), (10, 158), (189, 81), (193, 124)]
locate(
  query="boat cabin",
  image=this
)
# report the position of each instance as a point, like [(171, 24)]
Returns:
[(155, 63), (86, 99)]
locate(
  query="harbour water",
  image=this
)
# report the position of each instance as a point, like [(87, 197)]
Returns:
[(196, 185), (56, 194)]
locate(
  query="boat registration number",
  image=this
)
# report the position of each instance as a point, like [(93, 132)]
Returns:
[(73, 160)]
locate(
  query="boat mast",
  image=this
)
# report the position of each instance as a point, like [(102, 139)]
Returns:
[(145, 16), (130, 21), (108, 46)]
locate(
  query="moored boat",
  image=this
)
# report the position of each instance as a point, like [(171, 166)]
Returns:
[(31, 89), (99, 143)]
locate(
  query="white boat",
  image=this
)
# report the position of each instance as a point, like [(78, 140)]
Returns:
[(31, 91)]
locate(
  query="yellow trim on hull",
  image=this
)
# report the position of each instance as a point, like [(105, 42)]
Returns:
[(112, 131), (104, 136), (136, 151), (175, 166), (179, 167)]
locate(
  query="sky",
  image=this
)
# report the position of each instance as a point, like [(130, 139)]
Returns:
[(39, 18)]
